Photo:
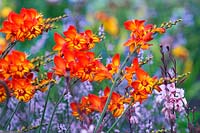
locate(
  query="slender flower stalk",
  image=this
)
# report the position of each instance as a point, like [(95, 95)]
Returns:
[(8, 96), (7, 50), (112, 89), (54, 110), (8, 121), (45, 106), (114, 124), (58, 102)]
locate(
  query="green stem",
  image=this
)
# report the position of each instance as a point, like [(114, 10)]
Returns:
[(114, 124), (8, 49), (110, 94), (112, 89), (8, 121), (7, 98), (45, 106), (58, 102)]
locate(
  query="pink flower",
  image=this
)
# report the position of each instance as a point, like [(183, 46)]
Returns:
[(173, 100)]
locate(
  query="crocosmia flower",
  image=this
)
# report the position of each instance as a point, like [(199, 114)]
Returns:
[(141, 34), (28, 24), (75, 41), (2, 94), (143, 85)]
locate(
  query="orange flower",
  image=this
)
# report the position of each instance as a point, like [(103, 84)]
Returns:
[(143, 85), (113, 67), (76, 110), (4, 67), (91, 39), (101, 72), (80, 64), (81, 109), (131, 70), (134, 25), (143, 82), (27, 24), (84, 106), (84, 66), (18, 64), (2, 94), (110, 23), (75, 41), (116, 105), (60, 66), (97, 103), (22, 89), (141, 34), (139, 96), (15, 65), (60, 42)]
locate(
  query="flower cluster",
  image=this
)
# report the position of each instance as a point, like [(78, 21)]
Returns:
[(140, 87), (173, 100), (75, 59), (17, 72), (28, 24), (140, 34), (143, 85), (25, 25), (92, 103)]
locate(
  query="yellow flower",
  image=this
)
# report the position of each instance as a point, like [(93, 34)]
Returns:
[(5, 11), (110, 23), (180, 52)]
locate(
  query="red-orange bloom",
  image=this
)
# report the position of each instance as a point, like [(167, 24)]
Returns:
[(116, 105), (76, 110), (22, 89), (113, 67), (80, 64), (25, 25), (2, 94), (101, 72), (15, 65), (60, 66), (141, 34), (97, 103), (143, 85), (93, 103), (131, 70), (79, 110), (74, 40)]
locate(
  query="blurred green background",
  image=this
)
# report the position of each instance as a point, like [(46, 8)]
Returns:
[(184, 38)]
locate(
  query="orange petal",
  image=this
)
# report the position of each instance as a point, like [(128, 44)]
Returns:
[(71, 32), (106, 91), (141, 74), (60, 41), (74, 106), (60, 65), (135, 63), (95, 102), (135, 84), (115, 96), (116, 60)]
